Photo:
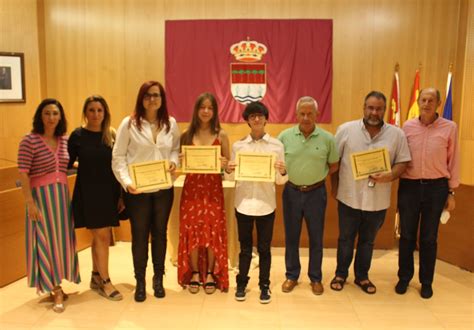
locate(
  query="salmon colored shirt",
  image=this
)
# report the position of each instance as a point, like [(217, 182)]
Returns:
[(434, 150)]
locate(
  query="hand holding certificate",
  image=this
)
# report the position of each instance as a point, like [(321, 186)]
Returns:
[(253, 166), (201, 159), (370, 162), (147, 176)]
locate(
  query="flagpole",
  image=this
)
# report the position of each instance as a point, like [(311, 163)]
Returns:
[(397, 123), (450, 75), (399, 109), (448, 104), (393, 114)]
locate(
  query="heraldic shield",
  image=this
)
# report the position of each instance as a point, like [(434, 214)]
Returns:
[(248, 81)]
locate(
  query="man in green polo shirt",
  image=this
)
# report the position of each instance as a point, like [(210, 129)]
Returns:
[(310, 155)]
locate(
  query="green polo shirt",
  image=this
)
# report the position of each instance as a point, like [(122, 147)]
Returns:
[(307, 159)]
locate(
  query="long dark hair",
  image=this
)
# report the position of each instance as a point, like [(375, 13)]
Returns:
[(38, 126), (108, 134), (139, 112), (187, 137)]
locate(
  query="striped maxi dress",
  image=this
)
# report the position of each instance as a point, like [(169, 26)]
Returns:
[(50, 241)]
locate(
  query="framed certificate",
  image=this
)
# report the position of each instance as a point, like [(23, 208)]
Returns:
[(201, 159), (370, 162), (254, 166), (152, 175)]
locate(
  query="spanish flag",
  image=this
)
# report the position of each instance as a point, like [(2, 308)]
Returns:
[(414, 110), (394, 110)]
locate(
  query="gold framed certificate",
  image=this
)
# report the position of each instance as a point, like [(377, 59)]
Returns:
[(152, 175), (255, 166), (370, 162), (201, 159)]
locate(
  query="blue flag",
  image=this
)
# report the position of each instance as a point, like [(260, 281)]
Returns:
[(448, 105)]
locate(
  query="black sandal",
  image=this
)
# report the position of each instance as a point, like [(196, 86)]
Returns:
[(338, 280), (210, 287), (95, 281), (114, 295), (366, 286), (193, 286)]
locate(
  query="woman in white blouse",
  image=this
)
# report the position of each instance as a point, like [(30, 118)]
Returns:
[(148, 134)]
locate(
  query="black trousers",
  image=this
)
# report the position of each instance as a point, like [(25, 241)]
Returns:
[(420, 203), (365, 225), (264, 226), (149, 213)]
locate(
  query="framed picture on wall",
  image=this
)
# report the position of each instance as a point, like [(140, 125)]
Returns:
[(12, 77)]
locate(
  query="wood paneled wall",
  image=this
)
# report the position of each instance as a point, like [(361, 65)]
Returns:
[(19, 33), (455, 244), (110, 47), (466, 122), (75, 48)]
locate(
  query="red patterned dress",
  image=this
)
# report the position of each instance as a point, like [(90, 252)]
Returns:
[(202, 225)]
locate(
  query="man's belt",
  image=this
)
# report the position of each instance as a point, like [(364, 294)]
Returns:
[(306, 188), (426, 181)]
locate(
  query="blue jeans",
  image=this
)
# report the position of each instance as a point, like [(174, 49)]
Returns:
[(420, 203), (353, 222), (312, 206)]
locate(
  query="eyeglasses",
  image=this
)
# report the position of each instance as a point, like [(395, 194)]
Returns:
[(254, 116), (148, 96)]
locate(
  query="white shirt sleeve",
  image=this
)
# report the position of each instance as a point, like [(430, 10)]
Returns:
[(119, 154)]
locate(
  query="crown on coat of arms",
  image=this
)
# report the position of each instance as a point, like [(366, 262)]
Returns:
[(248, 50)]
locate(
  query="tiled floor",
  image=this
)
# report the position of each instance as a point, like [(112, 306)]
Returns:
[(450, 308)]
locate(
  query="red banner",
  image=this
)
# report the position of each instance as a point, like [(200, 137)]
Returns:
[(239, 61)]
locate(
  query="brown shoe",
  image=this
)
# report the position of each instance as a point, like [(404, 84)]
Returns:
[(317, 288), (288, 285)]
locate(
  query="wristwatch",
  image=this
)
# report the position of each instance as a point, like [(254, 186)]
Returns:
[(451, 192)]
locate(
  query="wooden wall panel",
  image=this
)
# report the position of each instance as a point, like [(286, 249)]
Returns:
[(110, 47), (369, 38), (19, 33), (455, 243), (8, 177), (143, 50), (467, 100)]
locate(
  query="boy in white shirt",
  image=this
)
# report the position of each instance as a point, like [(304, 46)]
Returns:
[(255, 201)]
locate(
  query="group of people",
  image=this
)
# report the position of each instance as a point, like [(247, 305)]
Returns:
[(424, 155)]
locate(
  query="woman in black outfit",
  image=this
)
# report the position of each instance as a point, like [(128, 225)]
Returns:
[(96, 200)]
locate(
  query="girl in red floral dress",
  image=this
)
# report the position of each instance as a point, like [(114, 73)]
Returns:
[(202, 252)]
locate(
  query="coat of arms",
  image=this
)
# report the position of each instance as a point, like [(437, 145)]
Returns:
[(248, 78)]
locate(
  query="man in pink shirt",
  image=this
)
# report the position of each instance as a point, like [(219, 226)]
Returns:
[(426, 188)]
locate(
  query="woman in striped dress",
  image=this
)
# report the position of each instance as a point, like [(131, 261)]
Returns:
[(50, 239)]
